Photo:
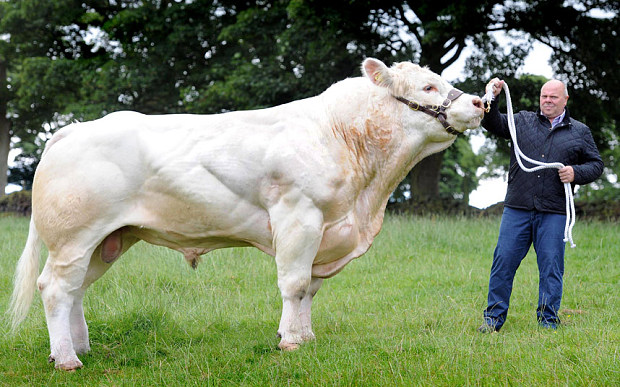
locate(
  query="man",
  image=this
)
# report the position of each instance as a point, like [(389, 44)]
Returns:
[(535, 203)]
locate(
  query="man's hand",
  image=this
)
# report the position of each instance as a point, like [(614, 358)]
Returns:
[(567, 174), (497, 85)]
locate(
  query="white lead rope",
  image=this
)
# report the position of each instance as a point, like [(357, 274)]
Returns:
[(570, 202)]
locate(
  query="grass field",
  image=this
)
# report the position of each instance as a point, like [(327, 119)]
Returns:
[(405, 313)]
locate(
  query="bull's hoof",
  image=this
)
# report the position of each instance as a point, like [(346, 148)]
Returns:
[(286, 346), (71, 365), (308, 336)]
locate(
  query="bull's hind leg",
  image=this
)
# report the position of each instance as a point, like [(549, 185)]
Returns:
[(79, 328), (63, 283), (305, 312), (112, 247), (60, 285)]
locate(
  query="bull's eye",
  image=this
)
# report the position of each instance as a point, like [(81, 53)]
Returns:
[(429, 88)]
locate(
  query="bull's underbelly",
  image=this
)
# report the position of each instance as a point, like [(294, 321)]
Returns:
[(200, 225), (195, 236)]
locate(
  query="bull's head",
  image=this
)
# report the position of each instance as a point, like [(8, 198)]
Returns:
[(426, 92)]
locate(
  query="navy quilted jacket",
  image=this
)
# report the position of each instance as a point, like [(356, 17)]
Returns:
[(570, 143)]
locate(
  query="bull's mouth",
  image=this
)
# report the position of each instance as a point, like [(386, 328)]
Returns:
[(472, 123), (477, 121), (477, 116)]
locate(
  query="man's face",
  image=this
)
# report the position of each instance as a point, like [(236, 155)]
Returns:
[(552, 99)]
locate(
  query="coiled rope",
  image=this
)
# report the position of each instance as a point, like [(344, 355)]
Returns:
[(568, 192)]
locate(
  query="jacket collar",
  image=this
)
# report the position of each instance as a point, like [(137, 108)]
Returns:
[(565, 120)]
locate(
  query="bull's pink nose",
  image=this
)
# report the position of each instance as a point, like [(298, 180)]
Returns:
[(477, 102)]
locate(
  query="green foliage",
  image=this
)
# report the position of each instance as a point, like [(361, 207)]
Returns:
[(22, 172), (70, 59), (290, 50), (607, 188), (584, 40), (458, 172), (42, 48), (403, 314), (53, 91), (17, 203)]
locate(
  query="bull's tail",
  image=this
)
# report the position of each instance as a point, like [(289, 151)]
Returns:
[(25, 278)]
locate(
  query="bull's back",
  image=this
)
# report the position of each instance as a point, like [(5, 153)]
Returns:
[(201, 176)]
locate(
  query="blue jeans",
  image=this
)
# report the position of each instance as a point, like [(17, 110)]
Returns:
[(520, 229)]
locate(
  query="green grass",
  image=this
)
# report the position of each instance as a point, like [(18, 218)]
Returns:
[(405, 313)]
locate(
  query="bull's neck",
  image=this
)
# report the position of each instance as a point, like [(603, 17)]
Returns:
[(366, 123), (377, 151), (382, 153)]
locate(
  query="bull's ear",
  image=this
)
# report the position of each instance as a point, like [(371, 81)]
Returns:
[(377, 72)]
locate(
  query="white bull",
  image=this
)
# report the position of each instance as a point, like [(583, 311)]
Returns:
[(306, 182)]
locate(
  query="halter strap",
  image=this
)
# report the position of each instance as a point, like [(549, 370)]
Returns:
[(437, 111)]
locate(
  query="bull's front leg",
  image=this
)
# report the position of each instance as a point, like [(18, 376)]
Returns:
[(297, 236)]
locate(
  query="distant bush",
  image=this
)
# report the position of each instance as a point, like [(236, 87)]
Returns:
[(18, 203), (599, 210), (593, 210), (21, 203)]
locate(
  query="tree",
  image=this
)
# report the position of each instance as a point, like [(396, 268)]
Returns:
[(164, 56), (592, 82), (283, 51), (458, 174), (89, 59), (35, 44), (567, 27), (5, 125)]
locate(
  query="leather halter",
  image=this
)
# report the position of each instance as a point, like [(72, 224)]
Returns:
[(437, 111)]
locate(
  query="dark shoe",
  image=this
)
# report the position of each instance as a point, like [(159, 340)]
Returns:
[(487, 328)]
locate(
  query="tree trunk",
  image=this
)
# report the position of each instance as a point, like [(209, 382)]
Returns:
[(5, 145), (424, 178), (5, 127)]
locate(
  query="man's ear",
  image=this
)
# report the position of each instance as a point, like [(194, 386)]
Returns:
[(377, 72)]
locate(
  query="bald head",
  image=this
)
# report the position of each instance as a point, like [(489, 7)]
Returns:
[(554, 84), (553, 98)]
